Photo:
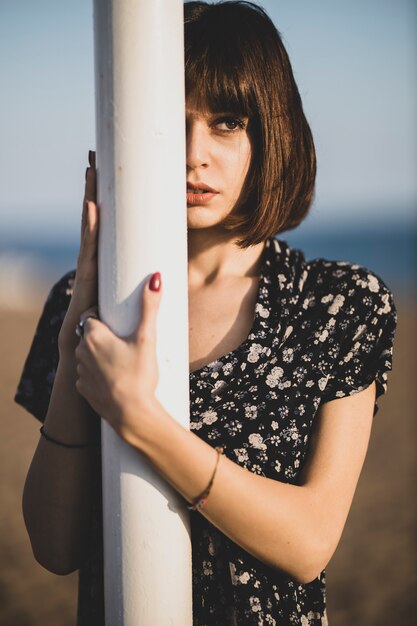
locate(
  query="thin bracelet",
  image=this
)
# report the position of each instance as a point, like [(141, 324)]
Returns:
[(200, 501), (61, 443)]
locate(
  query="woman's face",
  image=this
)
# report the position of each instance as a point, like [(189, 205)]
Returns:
[(218, 159)]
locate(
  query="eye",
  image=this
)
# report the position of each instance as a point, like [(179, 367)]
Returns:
[(229, 124)]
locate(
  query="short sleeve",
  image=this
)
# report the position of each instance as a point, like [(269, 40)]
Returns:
[(37, 379), (366, 351)]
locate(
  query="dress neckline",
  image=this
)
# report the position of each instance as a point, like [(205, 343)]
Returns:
[(262, 309)]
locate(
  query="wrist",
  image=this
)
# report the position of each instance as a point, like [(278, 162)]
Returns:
[(144, 423), (70, 418)]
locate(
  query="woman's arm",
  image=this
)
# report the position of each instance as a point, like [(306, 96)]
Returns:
[(62, 483), (293, 528)]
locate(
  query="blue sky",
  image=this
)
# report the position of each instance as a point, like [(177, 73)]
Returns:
[(354, 62)]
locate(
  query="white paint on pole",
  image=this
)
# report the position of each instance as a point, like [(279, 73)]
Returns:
[(141, 193)]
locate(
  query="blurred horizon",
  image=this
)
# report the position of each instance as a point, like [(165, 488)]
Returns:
[(29, 267)]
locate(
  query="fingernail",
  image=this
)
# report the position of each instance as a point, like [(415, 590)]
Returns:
[(86, 172), (155, 282)]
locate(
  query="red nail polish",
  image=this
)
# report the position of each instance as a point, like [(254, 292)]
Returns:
[(155, 282)]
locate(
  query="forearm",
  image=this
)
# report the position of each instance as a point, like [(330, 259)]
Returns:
[(274, 521), (62, 482)]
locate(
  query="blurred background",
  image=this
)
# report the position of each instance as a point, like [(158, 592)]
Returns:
[(355, 65)]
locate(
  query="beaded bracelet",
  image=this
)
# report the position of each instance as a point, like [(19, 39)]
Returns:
[(61, 443), (200, 501)]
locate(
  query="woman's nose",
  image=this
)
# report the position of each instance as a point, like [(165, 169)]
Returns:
[(197, 146)]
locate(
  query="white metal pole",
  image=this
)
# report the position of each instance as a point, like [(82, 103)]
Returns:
[(141, 193)]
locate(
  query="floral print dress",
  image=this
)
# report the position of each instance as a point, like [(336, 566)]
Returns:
[(322, 330)]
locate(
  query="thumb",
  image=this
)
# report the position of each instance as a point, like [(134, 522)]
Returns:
[(151, 298)]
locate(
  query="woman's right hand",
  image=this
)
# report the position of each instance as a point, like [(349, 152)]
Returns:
[(85, 291)]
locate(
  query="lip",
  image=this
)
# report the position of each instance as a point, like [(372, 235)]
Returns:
[(194, 195)]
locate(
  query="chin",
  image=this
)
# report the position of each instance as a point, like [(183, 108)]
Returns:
[(199, 218)]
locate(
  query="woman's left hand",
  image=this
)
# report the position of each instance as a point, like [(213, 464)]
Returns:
[(118, 376)]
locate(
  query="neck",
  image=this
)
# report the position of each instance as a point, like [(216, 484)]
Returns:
[(215, 255)]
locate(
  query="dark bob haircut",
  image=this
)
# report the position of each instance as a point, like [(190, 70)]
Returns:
[(236, 62)]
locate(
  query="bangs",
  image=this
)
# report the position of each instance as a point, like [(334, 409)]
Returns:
[(217, 75), (235, 62)]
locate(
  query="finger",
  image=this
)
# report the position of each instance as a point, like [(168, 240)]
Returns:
[(85, 352), (96, 336), (92, 326), (92, 311), (92, 218), (90, 187), (90, 184), (89, 240), (151, 298)]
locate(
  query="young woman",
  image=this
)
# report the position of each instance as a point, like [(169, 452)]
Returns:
[(287, 357)]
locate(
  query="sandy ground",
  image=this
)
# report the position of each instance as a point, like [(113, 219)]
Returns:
[(372, 579)]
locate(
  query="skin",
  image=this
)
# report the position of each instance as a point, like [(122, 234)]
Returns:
[(218, 154), (294, 528), (222, 279)]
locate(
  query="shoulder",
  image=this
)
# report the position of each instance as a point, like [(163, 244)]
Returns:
[(58, 299), (56, 306), (63, 288), (335, 285), (35, 385), (60, 294)]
